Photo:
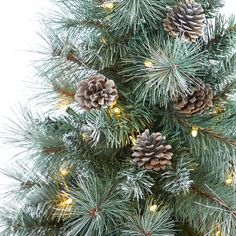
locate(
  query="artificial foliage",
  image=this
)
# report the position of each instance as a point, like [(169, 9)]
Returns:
[(139, 133)]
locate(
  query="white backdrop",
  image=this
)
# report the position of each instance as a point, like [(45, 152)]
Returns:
[(19, 24)]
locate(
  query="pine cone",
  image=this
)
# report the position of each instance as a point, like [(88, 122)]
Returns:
[(96, 92), (196, 103), (150, 152), (186, 20)]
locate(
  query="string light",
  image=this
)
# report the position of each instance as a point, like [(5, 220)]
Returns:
[(64, 101), (133, 140), (229, 182), (117, 110), (219, 107), (217, 110), (64, 206), (219, 233), (113, 103), (65, 200), (64, 172), (85, 136), (194, 131), (108, 6), (103, 40), (153, 208), (230, 179), (148, 63), (68, 201)]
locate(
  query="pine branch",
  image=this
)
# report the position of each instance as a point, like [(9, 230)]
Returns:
[(135, 184), (173, 70), (87, 23), (134, 16), (221, 55), (145, 222), (53, 150), (109, 130), (213, 147), (226, 90), (211, 204), (220, 137), (49, 143), (209, 132), (21, 181), (64, 92), (214, 199), (30, 209), (97, 206), (221, 38), (71, 13), (26, 223), (211, 7), (56, 90), (178, 180)]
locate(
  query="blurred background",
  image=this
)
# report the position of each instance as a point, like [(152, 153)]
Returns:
[(19, 24)]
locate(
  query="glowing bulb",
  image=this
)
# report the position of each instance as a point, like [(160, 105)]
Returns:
[(218, 110), (108, 5), (218, 233), (194, 131), (148, 63), (229, 182), (66, 202), (103, 40), (85, 137), (230, 179), (63, 105), (117, 110), (113, 103), (133, 140), (64, 102), (64, 172), (153, 208)]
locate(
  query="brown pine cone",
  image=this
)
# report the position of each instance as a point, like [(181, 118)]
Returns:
[(150, 153), (186, 20), (196, 103), (96, 92)]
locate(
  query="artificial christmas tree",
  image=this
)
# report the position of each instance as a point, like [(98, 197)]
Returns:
[(146, 141)]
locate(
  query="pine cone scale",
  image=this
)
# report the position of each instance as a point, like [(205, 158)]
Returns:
[(159, 155), (141, 163)]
